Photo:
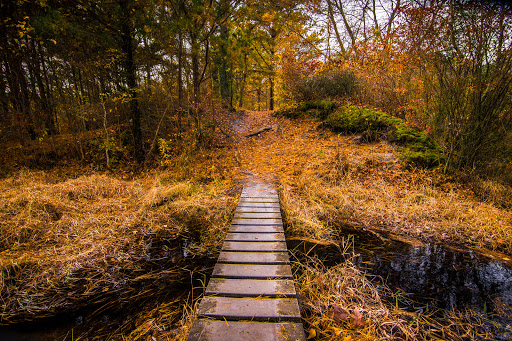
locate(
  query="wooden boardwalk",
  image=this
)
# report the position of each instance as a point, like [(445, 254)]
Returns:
[(251, 295)]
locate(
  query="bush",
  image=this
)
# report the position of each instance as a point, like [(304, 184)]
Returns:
[(327, 84), (309, 109)]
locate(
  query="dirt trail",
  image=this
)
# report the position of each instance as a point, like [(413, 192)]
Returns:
[(291, 145)]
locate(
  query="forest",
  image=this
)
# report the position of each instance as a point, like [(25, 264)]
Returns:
[(128, 128)]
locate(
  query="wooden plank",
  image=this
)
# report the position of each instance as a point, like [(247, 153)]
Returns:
[(254, 309), (254, 257), (257, 210), (254, 246), (208, 330), (254, 215), (259, 196), (258, 204), (250, 287), (254, 237), (256, 228), (258, 191), (253, 271), (258, 200), (245, 221)]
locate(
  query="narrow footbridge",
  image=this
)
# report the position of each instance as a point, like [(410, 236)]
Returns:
[(251, 295)]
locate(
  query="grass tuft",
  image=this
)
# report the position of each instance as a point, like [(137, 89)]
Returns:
[(100, 243)]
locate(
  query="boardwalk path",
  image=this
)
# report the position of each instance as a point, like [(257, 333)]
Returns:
[(251, 295)]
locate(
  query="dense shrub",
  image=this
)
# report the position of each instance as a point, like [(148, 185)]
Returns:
[(309, 109), (327, 84)]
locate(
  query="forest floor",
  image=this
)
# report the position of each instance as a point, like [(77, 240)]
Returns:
[(329, 183), (323, 176), (125, 256)]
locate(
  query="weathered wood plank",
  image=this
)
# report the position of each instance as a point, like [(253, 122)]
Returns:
[(259, 200), (258, 191), (255, 237), (250, 287), (254, 246), (246, 221), (252, 271), (256, 228), (208, 330), (253, 215), (254, 257), (257, 210), (260, 196), (254, 309), (258, 204)]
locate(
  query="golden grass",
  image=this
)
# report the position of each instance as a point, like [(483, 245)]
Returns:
[(340, 303), (94, 240), (378, 195)]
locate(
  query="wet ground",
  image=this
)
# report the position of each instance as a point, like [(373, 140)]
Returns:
[(188, 272), (432, 276)]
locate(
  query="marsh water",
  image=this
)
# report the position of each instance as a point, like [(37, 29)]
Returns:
[(181, 286), (431, 276)]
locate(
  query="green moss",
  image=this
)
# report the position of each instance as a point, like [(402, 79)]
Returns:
[(426, 158), (352, 119), (309, 109), (419, 148)]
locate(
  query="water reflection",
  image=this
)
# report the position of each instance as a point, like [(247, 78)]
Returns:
[(439, 276), (431, 275)]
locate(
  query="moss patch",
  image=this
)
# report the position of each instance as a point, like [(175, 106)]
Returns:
[(309, 109), (419, 148)]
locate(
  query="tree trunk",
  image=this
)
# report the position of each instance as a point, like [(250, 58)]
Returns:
[(242, 83), (335, 26), (223, 65), (273, 35), (128, 47)]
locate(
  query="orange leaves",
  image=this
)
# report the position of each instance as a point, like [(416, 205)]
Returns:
[(357, 319), (340, 314)]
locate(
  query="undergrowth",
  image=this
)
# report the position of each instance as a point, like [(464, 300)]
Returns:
[(102, 244), (418, 148)]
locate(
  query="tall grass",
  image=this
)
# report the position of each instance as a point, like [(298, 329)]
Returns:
[(372, 195), (99, 242)]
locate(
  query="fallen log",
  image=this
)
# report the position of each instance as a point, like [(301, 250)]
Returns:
[(259, 132)]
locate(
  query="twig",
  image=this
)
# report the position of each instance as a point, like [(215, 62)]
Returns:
[(259, 132)]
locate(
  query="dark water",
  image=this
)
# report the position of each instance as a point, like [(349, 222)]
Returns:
[(162, 254), (432, 276)]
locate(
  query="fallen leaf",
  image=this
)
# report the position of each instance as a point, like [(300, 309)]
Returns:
[(358, 319), (312, 333), (337, 331), (339, 313)]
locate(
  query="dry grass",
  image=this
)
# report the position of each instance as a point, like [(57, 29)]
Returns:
[(380, 195), (99, 242), (340, 303)]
